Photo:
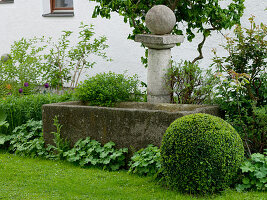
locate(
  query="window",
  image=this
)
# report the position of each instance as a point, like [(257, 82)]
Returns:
[(61, 5), (58, 8), (6, 1)]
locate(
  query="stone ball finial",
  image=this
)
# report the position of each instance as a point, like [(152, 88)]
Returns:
[(160, 20)]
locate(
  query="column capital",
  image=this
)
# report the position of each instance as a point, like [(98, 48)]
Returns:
[(159, 41)]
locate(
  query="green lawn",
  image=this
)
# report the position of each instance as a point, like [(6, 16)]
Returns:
[(26, 178)]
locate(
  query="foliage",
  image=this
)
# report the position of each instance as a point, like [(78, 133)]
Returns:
[(21, 109), (146, 161), (61, 145), (30, 63), (242, 92), (90, 152), (197, 16), (66, 63), (254, 173), (201, 153), (189, 84), (24, 65), (3, 123), (3, 117), (105, 89), (27, 140)]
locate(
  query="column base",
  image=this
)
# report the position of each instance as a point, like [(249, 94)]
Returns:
[(158, 98)]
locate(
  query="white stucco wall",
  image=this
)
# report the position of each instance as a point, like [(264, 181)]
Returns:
[(24, 19)]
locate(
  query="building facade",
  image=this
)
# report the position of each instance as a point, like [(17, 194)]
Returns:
[(29, 18)]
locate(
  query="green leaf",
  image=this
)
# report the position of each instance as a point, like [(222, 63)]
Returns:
[(246, 180), (257, 157), (3, 115), (2, 140), (109, 145), (259, 185), (261, 173), (106, 161), (263, 180), (247, 167), (103, 154)]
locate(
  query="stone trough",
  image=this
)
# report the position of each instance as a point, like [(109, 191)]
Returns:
[(133, 125)]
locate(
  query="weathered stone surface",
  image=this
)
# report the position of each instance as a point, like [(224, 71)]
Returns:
[(160, 20), (159, 41), (159, 58), (132, 125), (158, 65)]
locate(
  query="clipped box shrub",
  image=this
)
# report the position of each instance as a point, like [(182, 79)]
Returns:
[(105, 89), (201, 154)]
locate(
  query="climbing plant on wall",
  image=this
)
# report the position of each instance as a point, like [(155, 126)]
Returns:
[(202, 16)]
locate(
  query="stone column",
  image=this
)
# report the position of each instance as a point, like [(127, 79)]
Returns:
[(160, 20)]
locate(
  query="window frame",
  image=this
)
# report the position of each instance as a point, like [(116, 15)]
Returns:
[(6, 1), (54, 9)]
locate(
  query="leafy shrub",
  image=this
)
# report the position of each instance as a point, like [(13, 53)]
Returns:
[(27, 140), (201, 153), (25, 64), (105, 89), (242, 92), (90, 152), (21, 109), (254, 173), (188, 84), (29, 62), (66, 63), (146, 161)]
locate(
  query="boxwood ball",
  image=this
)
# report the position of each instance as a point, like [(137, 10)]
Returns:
[(201, 153)]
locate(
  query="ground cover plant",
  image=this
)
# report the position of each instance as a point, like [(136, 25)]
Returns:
[(88, 152), (146, 161), (26, 140), (26, 178), (254, 173)]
